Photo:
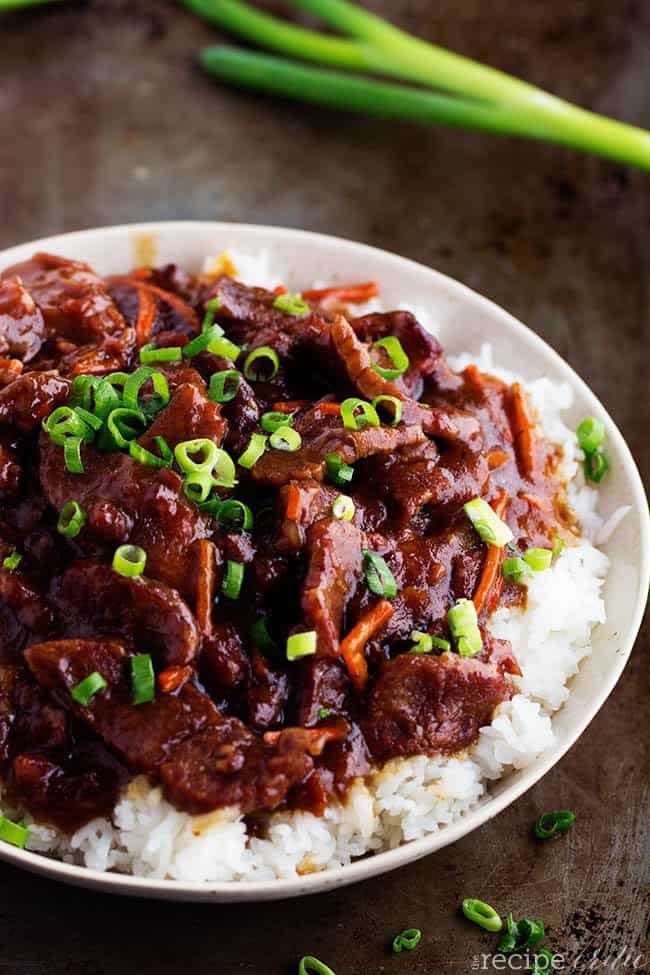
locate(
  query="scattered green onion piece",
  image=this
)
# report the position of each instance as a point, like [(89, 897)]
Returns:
[(197, 486), (151, 353), (148, 458), (531, 932), (225, 348), (202, 341), (343, 508), (543, 961), (338, 472), (380, 579), (515, 569), (558, 547), (256, 364), (91, 421), (422, 642), (13, 833), (358, 414), (441, 644), (301, 645), (285, 438), (407, 940), (211, 307), (393, 402), (552, 824), (487, 523), (235, 516), (72, 455), (324, 713), (272, 421), (212, 506), (129, 560), (82, 391), (596, 466), (204, 450), (261, 637), (85, 690), (590, 434), (64, 423), (71, 519), (254, 450), (224, 385), (107, 397), (134, 384), (223, 471), (12, 561), (482, 914), (313, 966), (292, 304), (538, 558), (463, 624), (124, 425), (233, 579), (391, 345), (510, 939), (143, 679)]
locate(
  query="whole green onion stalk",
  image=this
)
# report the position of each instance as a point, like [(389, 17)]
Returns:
[(20, 4), (467, 94)]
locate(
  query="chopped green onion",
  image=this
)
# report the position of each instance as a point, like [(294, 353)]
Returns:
[(538, 558), (596, 466), (358, 414), (292, 304), (338, 472), (151, 353), (134, 384), (343, 508), (122, 426), (225, 348), (313, 966), (590, 434), (197, 486), (407, 940), (13, 833), (91, 421), (463, 624), (510, 939), (64, 423), (202, 341), (393, 347), (531, 932), (129, 560), (380, 579), (211, 307), (107, 397), (552, 824), (143, 679), (211, 506), (301, 645), (12, 561), (558, 547), (441, 644), (515, 569), (149, 459), (487, 523), (72, 455), (84, 692), (261, 637), (224, 385), (261, 364), (235, 516), (482, 914), (233, 579), (422, 642), (285, 438), (82, 391), (223, 471), (254, 450), (71, 519), (272, 421), (324, 713), (542, 961), (396, 405), (204, 448)]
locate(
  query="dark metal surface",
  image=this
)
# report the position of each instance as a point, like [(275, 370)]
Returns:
[(104, 119)]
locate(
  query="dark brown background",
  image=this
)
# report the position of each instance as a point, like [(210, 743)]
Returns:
[(104, 119)]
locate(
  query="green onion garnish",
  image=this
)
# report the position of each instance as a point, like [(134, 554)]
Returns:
[(71, 519), (197, 486), (552, 824), (393, 347), (487, 523), (292, 304), (82, 391), (233, 579), (223, 471), (13, 833), (426, 643), (65, 423), (202, 341), (134, 384), (380, 579), (395, 405), (343, 508), (538, 558), (211, 307), (72, 455), (261, 637), (407, 940), (542, 961), (151, 353), (531, 932), (273, 420), (590, 434), (92, 422), (84, 692), (129, 560), (324, 713), (301, 645), (338, 472), (510, 938), (254, 450), (313, 966), (143, 679), (225, 348), (463, 624), (122, 426), (149, 459), (558, 546), (107, 397), (235, 516), (482, 914), (596, 466), (196, 455), (515, 569), (261, 364), (285, 438), (358, 414), (224, 385), (12, 561)]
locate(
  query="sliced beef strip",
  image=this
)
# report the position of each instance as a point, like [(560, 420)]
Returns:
[(21, 321), (430, 705), (314, 501), (322, 683), (188, 415), (335, 567), (25, 615), (223, 657), (268, 695), (30, 398), (242, 412)]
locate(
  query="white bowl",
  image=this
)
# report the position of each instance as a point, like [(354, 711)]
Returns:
[(465, 320)]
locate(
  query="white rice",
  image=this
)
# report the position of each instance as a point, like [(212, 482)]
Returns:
[(408, 798)]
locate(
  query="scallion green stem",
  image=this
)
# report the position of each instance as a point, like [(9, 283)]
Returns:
[(19, 4)]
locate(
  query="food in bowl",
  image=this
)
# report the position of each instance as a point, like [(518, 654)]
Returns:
[(281, 585)]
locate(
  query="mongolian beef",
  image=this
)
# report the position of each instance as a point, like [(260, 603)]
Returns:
[(250, 540)]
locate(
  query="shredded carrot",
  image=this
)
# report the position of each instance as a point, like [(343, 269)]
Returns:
[(173, 678), (179, 305), (329, 409), (293, 503), (146, 315), (354, 293), (280, 290), (496, 458), (205, 583), (491, 576), (290, 406), (352, 647), (523, 430)]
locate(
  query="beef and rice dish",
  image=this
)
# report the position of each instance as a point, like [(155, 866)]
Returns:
[(250, 541)]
